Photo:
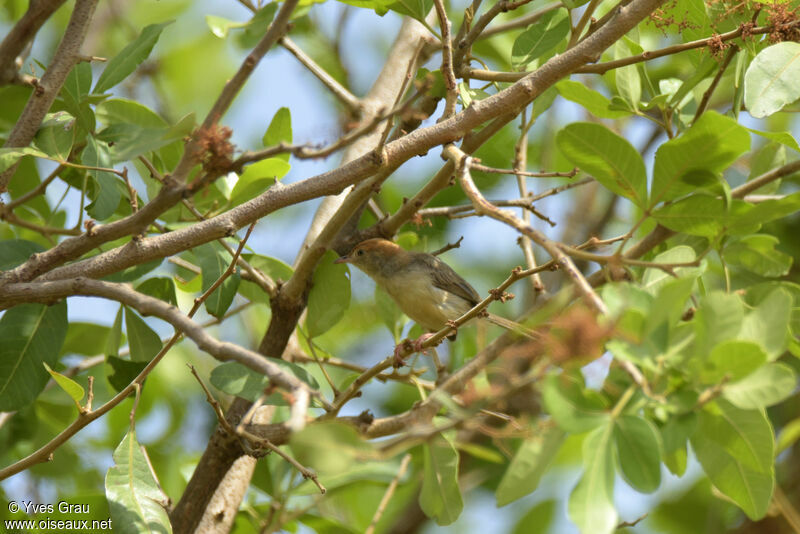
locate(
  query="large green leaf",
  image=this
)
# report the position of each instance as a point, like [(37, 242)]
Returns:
[(440, 496), (279, 131), (257, 178), (591, 503), (735, 448), (529, 464), (734, 359), (87, 339), (771, 79), (768, 324), (329, 297), (16, 251), (106, 195), (32, 335), (330, 447), (135, 499), (130, 57), (539, 38), (718, 318), (702, 215), (573, 408), (711, 145), (757, 254), (571, 405), (768, 385), (235, 379), (639, 452), (607, 157), (213, 263), (143, 340), (595, 103)]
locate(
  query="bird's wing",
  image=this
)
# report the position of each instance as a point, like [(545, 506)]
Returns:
[(444, 277)]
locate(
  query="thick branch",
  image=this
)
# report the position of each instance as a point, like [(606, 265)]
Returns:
[(13, 294), (66, 56), (21, 35)]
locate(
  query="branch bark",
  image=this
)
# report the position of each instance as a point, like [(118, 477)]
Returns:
[(67, 55)]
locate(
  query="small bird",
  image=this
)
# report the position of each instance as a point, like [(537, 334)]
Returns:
[(427, 289)]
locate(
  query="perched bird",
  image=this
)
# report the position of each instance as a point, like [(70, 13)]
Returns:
[(427, 289)]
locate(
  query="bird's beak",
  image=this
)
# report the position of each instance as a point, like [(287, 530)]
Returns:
[(343, 259)]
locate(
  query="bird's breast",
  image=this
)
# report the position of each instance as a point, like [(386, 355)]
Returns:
[(423, 302)]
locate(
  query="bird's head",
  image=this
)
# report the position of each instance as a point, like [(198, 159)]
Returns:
[(376, 257)]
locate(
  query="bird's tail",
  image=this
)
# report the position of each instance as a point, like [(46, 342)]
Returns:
[(513, 326)]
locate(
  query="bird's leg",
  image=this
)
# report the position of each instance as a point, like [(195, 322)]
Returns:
[(408, 345)]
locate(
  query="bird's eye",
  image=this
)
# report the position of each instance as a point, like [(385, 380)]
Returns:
[(360, 252)]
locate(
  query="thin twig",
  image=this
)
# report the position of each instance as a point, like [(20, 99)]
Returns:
[(701, 108), (339, 91), (387, 496), (447, 62), (483, 206)]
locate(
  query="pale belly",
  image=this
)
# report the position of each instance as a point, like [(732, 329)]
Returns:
[(428, 306)]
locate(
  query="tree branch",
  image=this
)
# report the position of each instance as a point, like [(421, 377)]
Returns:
[(67, 55)]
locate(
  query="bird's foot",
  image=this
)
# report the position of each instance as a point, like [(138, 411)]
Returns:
[(407, 345)]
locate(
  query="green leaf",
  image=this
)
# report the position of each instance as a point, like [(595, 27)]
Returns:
[(257, 178), (120, 373), (87, 339), (115, 336), (734, 359), (329, 297), (735, 448), (124, 63), (594, 102), (768, 324), (31, 334), (701, 215), (608, 157), (121, 110), (128, 141), (627, 78), (279, 131), (213, 264), (591, 503), (220, 26), (272, 267), (440, 496), (771, 79), (72, 388), (638, 452), (162, 288), (143, 341), (106, 195), (75, 92), (389, 312), (539, 38), (254, 30), (330, 447), (235, 379), (675, 434), (784, 138), (766, 211), (541, 515), (757, 254), (572, 407), (10, 156), (14, 252), (135, 499), (768, 385), (718, 318), (654, 279), (417, 9), (529, 464), (56, 135), (712, 144)]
